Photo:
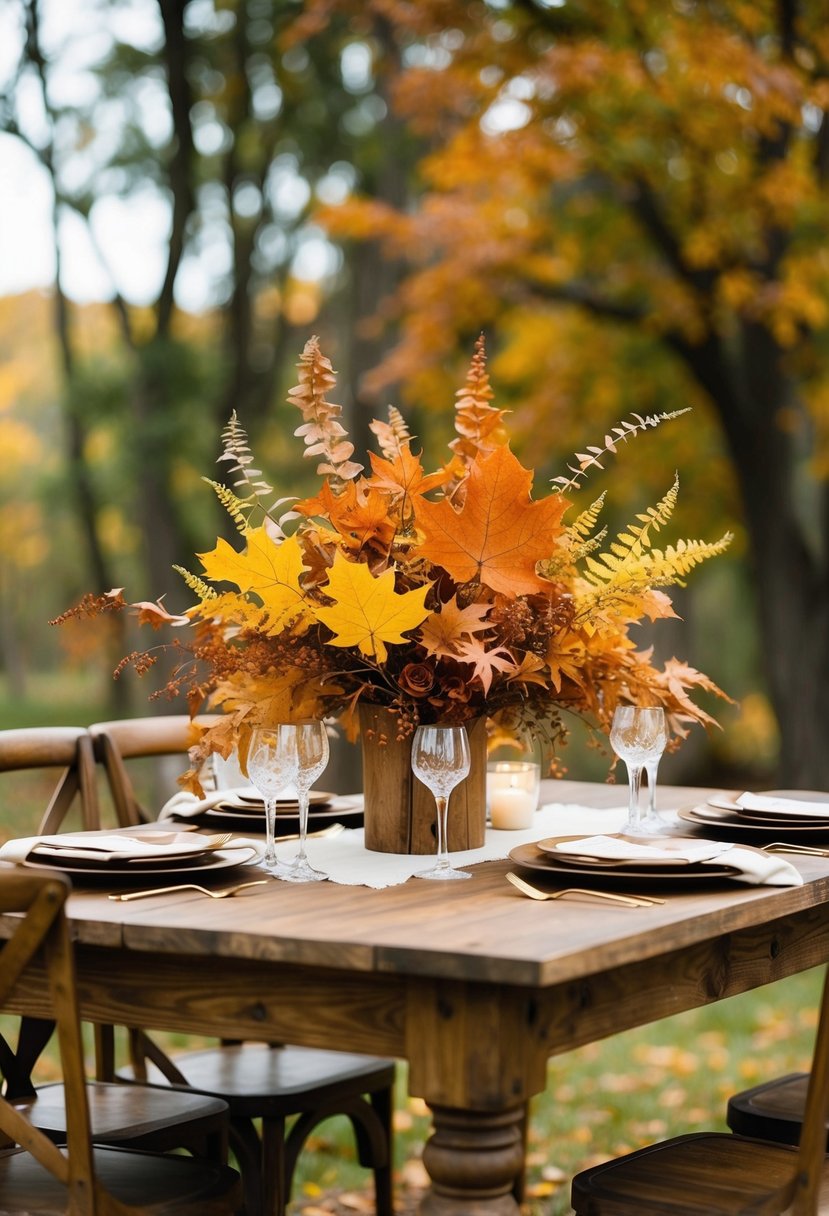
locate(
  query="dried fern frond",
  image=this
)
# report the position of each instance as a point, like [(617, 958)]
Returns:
[(616, 582), (323, 434), (477, 422), (577, 541), (392, 436), (236, 451), (592, 458), (238, 509), (197, 585)]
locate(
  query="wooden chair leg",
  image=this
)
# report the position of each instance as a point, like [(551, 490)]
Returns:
[(247, 1149), (520, 1185), (382, 1103), (275, 1190)]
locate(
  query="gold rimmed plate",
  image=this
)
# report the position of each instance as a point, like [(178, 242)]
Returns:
[(533, 858), (552, 844)]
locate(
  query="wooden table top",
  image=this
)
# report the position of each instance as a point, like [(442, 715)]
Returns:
[(480, 931)]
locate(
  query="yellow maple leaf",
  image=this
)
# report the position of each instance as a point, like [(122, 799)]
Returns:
[(271, 571), (367, 611)]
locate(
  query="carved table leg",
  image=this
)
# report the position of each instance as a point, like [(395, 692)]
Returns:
[(473, 1158)]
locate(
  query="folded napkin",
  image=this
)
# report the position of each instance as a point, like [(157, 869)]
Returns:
[(753, 866), (793, 807), (102, 846), (185, 805), (617, 849)]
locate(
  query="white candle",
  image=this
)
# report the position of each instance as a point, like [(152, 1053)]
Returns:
[(511, 808)]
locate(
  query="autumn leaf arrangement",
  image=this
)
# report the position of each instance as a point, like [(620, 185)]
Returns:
[(441, 596)]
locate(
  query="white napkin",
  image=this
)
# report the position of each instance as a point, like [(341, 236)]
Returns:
[(184, 805), (100, 846), (792, 807), (760, 869), (628, 850)]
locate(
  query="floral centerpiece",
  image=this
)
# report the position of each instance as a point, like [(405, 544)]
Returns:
[(448, 596)]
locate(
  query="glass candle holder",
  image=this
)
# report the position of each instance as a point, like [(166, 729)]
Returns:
[(512, 789)]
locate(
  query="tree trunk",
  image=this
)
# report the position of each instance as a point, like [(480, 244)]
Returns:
[(788, 547)]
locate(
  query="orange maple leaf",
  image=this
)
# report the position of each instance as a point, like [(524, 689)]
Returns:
[(441, 632), (360, 514), (500, 533), (403, 477)]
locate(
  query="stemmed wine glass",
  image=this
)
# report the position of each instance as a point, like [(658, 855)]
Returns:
[(272, 765), (312, 756), (440, 759), (638, 736)]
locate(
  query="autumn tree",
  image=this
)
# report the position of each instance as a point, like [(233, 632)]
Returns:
[(646, 180)]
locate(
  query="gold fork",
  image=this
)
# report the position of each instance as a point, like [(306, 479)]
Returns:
[(781, 846), (630, 901), (225, 892)]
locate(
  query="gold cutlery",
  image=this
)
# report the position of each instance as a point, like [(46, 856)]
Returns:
[(225, 892), (781, 846), (630, 901)]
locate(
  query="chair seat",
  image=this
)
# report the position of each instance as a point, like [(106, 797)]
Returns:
[(258, 1081), (704, 1174), (136, 1117), (156, 1186), (771, 1111)]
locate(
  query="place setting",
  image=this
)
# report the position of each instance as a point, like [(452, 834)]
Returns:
[(644, 850), (129, 855), (767, 813)]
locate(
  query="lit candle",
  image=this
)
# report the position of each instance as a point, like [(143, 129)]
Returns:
[(511, 808)]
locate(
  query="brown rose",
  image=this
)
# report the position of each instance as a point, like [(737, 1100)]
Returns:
[(416, 679)]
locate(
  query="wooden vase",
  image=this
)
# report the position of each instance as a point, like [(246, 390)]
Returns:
[(400, 815)]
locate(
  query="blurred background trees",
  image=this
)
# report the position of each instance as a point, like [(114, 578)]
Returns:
[(629, 199)]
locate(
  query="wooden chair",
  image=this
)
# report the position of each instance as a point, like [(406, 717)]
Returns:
[(141, 1119), (67, 748), (713, 1174), (271, 1083), (771, 1111), (37, 1176)]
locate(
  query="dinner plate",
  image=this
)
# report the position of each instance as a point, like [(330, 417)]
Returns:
[(668, 864), (707, 816), (220, 859), (283, 805), (532, 858)]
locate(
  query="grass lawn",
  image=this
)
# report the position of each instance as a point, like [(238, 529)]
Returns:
[(656, 1081)]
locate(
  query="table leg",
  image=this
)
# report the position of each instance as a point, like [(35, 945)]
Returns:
[(473, 1158)]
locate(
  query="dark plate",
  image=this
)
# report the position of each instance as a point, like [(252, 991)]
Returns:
[(117, 875), (532, 858)]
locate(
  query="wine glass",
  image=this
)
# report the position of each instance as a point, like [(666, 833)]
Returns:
[(272, 765), (440, 759), (312, 757), (639, 736)]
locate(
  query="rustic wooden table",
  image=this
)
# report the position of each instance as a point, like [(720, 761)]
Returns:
[(473, 984)]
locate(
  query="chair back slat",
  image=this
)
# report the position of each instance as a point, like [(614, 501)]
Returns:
[(138, 738)]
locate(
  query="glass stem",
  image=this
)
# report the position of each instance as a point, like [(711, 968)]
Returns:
[(442, 804), (651, 771), (270, 828), (634, 808), (302, 800)]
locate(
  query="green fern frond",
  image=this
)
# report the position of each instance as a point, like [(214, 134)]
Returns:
[(197, 585), (592, 458)]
